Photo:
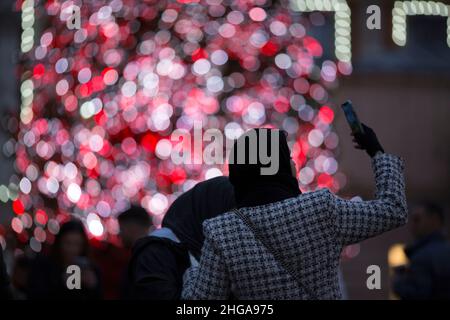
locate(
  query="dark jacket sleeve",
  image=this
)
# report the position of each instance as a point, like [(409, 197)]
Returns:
[(157, 272)]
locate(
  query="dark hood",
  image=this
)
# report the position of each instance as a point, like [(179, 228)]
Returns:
[(251, 188), (204, 201)]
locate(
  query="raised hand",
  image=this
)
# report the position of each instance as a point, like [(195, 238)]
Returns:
[(367, 141)]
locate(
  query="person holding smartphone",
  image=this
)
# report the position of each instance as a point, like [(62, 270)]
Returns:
[(283, 244)]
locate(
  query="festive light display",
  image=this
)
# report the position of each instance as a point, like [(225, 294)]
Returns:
[(27, 25), (411, 8), (99, 103), (342, 22)]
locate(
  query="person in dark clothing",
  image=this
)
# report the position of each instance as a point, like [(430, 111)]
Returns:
[(48, 276), (111, 259), (160, 260), (428, 274), (5, 290), (19, 276), (135, 223)]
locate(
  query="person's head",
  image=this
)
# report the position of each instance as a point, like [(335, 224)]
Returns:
[(134, 224), (71, 242), (426, 218), (204, 201), (262, 156)]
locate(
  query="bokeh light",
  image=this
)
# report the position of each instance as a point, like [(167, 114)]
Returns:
[(99, 103)]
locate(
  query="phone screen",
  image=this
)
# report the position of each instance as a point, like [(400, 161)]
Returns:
[(352, 118)]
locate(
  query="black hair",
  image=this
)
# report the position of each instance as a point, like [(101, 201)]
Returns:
[(71, 226), (137, 215)]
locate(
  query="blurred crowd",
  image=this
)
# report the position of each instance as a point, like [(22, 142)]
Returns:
[(105, 273), (103, 264)]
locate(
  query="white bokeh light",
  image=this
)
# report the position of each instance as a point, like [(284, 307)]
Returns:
[(74, 192)]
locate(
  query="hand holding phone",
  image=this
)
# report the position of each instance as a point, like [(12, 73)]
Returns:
[(364, 137), (352, 118)]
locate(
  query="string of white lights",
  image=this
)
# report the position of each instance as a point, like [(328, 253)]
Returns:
[(402, 9), (342, 22), (27, 43), (27, 87), (27, 25)]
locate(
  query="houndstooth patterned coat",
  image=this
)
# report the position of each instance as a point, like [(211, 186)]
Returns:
[(309, 231)]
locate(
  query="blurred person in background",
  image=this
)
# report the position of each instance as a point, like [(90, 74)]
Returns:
[(428, 274), (48, 275), (134, 223), (111, 258), (5, 292), (160, 260), (19, 277)]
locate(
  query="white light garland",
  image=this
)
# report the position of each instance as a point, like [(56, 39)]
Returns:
[(402, 9), (27, 26), (342, 22), (27, 43)]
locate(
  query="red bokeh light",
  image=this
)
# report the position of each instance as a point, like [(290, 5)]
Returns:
[(326, 114), (38, 70), (107, 97), (18, 207)]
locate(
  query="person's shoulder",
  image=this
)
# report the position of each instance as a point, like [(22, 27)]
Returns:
[(322, 194), (435, 249), (429, 253), (155, 244), (316, 193), (221, 219), (219, 224), (156, 251)]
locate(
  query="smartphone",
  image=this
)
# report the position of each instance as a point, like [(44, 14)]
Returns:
[(352, 118)]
